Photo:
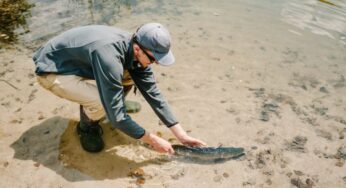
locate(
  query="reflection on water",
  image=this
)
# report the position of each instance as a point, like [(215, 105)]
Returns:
[(13, 14), (321, 17)]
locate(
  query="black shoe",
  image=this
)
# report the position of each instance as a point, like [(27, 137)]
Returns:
[(91, 137)]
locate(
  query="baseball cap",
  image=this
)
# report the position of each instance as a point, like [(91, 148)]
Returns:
[(155, 37)]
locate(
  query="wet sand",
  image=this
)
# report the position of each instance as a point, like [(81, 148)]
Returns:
[(244, 77)]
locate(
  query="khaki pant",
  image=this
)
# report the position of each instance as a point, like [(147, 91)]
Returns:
[(80, 90)]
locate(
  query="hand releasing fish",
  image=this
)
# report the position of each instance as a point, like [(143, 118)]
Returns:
[(208, 153)]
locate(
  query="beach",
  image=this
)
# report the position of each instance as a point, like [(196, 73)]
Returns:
[(247, 75)]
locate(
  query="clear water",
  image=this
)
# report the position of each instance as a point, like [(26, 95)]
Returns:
[(320, 17)]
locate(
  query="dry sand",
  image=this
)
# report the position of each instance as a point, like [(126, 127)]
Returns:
[(278, 93)]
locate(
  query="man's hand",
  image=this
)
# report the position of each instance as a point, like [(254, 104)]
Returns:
[(159, 144), (190, 141), (185, 139)]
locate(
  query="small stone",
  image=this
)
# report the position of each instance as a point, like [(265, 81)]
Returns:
[(159, 134), (40, 117), (36, 164), (340, 163), (289, 174), (264, 116), (297, 182), (309, 182), (225, 175), (136, 173), (323, 90), (6, 164), (140, 181), (342, 152), (19, 121), (254, 147), (298, 173)]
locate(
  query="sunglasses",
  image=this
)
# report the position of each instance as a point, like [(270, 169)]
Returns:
[(151, 58)]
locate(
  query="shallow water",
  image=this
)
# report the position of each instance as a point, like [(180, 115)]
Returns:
[(321, 17)]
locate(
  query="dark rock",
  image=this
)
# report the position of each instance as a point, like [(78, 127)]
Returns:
[(297, 144), (323, 90), (342, 152), (264, 116)]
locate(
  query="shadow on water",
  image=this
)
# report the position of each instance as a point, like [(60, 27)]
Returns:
[(13, 14), (54, 144)]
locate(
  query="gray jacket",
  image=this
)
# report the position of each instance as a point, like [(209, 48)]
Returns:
[(103, 53)]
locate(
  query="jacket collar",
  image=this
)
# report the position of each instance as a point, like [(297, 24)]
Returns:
[(129, 57)]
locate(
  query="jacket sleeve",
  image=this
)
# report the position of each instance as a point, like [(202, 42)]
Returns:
[(145, 82), (108, 71)]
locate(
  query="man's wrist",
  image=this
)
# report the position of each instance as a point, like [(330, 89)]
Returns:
[(140, 137), (169, 126), (148, 138), (178, 131)]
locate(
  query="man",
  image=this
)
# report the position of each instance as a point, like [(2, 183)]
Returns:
[(115, 60)]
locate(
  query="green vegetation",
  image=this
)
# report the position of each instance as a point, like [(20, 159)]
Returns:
[(13, 14)]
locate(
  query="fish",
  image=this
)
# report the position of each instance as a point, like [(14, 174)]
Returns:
[(208, 153)]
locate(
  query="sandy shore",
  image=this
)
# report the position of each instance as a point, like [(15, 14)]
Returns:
[(279, 93)]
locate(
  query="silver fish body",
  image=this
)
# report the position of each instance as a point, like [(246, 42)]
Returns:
[(208, 153)]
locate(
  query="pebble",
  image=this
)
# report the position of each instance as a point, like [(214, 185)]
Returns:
[(323, 90), (298, 173), (40, 117), (342, 152), (340, 163)]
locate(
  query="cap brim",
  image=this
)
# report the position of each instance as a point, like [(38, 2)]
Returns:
[(164, 59)]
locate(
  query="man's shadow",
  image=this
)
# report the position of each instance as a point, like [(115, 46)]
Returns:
[(54, 144)]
